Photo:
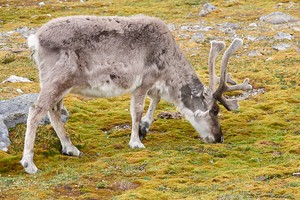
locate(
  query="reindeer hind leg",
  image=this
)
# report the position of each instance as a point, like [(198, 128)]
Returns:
[(55, 117)]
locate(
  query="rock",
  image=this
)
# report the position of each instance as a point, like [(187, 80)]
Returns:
[(15, 111), (230, 25), (253, 25), (268, 59), (254, 53), (172, 27), (196, 28), (16, 79), (282, 36), (278, 18), (251, 38), (25, 31), (198, 37), (185, 28), (229, 31), (281, 47), (207, 8), (42, 4), (6, 34), (296, 29), (19, 91)]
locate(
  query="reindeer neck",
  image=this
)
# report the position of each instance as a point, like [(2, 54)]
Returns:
[(183, 87)]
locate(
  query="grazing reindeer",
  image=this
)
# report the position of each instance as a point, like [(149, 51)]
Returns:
[(111, 56)]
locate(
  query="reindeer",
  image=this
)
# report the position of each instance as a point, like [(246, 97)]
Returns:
[(111, 56)]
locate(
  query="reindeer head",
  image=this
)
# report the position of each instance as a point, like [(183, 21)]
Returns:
[(206, 122)]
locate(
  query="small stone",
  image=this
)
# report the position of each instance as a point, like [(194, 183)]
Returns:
[(16, 79), (185, 28), (207, 8), (278, 18), (281, 47), (282, 36), (254, 53), (253, 25), (19, 91), (25, 31), (229, 31), (198, 37), (251, 38), (268, 59), (42, 4), (172, 27), (230, 25)]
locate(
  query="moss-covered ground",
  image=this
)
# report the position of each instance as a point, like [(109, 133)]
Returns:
[(261, 151)]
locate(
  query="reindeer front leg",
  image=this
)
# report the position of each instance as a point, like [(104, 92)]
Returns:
[(136, 110)]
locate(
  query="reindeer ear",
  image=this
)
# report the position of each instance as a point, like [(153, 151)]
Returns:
[(200, 113)]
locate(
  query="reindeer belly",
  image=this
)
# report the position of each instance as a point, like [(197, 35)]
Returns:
[(107, 88)]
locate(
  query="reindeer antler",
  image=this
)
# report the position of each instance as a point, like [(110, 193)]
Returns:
[(216, 48)]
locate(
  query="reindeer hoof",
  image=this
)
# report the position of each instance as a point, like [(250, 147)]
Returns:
[(71, 151), (136, 145), (143, 129), (29, 167)]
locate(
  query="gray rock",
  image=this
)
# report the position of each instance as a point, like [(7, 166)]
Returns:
[(207, 8), (25, 31), (15, 111), (16, 79), (254, 53), (42, 4), (250, 38), (198, 37), (229, 31), (172, 27), (253, 25), (230, 25), (278, 18), (281, 47), (282, 36), (196, 28)]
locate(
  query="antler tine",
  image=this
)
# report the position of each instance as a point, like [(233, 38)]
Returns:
[(229, 104), (235, 45), (215, 49), (244, 86)]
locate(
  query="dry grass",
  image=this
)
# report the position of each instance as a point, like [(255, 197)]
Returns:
[(261, 149)]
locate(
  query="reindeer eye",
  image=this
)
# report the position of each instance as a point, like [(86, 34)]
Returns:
[(214, 110)]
